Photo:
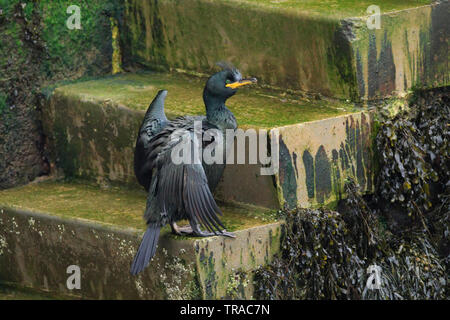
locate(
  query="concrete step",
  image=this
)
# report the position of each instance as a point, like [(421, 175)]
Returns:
[(312, 46), (49, 226), (91, 127), (254, 107)]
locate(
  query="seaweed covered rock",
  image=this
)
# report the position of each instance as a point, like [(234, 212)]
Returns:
[(329, 255), (317, 261), (413, 187), (413, 149), (21, 139)]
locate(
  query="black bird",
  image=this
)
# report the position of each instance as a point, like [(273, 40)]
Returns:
[(182, 191)]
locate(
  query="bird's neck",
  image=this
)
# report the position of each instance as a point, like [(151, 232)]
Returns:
[(218, 114)]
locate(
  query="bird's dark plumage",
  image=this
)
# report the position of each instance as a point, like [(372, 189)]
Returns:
[(155, 119), (181, 191)]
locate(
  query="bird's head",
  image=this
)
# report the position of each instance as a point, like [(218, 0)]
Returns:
[(224, 84)]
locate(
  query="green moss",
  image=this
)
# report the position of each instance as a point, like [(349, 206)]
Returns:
[(281, 49), (287, 44), (337, 8), (117, 206), (68, 53), (28, 11), (13, 55), (253, 107), (84, 51)]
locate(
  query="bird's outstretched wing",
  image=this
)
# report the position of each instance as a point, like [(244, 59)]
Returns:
[(183, 187), (154, 121), (155, 117)]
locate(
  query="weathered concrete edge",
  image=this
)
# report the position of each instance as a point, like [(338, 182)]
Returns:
[(105, 155), (345, 59), (128, 231), (226, 266), (316, 157), (37, 248), (79, 149), (409, 50), (265, 50), (45, 245)]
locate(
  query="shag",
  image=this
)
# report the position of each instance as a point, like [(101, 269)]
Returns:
[(182, 191)]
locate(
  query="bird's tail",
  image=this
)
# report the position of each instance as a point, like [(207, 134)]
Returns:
[(146, 250)]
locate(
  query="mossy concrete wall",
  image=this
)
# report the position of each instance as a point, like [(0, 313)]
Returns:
[(37, 47), (410, 50), (39, 28), (225, 264), (281, 48), (36, 250), (316, 158), (92, 140), (96, 141), (335, 55), (78, 52)]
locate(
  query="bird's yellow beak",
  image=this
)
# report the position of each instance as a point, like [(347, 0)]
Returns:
[(241, 83)]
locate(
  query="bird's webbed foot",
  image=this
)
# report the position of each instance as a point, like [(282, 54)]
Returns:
[(197, 232), (194, 231), (181, 231)]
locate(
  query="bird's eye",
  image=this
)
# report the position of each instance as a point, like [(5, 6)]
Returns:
[(228, 81)]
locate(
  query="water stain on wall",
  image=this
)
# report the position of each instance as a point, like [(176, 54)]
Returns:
[(324, 174), (288, 180), (308, 163)]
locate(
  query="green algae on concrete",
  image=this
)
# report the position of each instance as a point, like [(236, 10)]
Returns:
[(336, 8), (37, 248), (316, 158), (220, 259), (280, 47), (410, 50), (91, 140), (113, 206), (92, 135), (252, 106), (311, 46), (77, 52)]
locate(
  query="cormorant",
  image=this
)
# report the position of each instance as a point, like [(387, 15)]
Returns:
[(182, 191)]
